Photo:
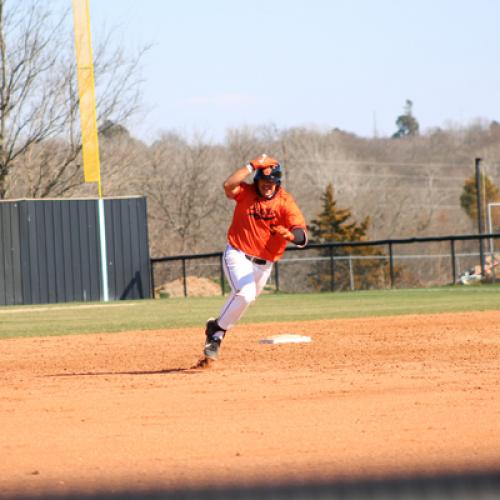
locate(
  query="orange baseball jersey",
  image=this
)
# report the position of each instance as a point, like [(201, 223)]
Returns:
[(250, 230)]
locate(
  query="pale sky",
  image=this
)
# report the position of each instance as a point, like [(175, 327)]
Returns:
[(352, 64)]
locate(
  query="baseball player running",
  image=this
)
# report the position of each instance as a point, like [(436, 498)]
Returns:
[(265, 219)]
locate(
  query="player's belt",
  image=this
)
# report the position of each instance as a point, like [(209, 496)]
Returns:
[(256, 260)]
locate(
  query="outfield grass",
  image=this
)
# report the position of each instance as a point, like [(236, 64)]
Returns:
[(65, 319)]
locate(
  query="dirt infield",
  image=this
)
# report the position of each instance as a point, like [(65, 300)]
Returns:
[(366, 397)]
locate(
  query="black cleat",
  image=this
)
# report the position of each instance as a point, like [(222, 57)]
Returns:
[(212, 344), (211, 350), (211, 327)]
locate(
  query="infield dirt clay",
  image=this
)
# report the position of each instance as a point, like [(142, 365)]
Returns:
[(367, 397)]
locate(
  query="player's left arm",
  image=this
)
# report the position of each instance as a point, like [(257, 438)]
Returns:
[(297, 235), (294, 227)]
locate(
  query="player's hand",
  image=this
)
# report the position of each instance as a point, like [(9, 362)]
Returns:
[(283, 232), (263, 161)]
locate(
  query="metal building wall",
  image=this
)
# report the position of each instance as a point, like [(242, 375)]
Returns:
[(10, 257), (50, 252), (127, 248), (59, 251)]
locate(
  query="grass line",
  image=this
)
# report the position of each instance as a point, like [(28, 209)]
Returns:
[(67, 319)]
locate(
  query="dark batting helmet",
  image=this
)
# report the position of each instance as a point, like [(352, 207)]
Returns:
[(273, 174)]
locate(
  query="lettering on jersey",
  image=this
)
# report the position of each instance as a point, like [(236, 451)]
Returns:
[(261, 213)]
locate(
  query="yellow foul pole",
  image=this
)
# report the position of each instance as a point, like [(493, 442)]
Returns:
[(86, 90), (88, 122)]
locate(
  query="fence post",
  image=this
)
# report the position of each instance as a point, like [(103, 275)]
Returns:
[(453, 263), (184, 278), (222, 287), (493, 268), (152, 278), (479, 205), (351, 277), (332, 270), (277, 276), (391, 264)]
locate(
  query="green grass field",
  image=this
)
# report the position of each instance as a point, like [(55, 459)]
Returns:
[(66, 319)]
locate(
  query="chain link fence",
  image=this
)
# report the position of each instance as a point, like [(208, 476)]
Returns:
[(336, 267)]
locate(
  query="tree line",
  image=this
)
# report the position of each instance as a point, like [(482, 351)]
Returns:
[(416, 186), (412, 183)]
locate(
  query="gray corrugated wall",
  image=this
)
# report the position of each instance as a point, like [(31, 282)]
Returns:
[(10, 258), (127, 248), (59, 251), (49, 251)]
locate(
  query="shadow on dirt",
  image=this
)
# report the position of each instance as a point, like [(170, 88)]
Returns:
[(201, 365), (167, 371), (443, 486)]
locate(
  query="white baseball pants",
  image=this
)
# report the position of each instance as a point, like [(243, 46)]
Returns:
[(247, 280)]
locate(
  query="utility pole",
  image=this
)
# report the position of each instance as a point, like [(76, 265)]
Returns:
[(375, 131), (479, 212)]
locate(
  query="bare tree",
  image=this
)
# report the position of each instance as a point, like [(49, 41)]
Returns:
[(39, 125), (186, 202)]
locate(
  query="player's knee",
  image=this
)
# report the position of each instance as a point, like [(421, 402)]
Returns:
[(248, 294)]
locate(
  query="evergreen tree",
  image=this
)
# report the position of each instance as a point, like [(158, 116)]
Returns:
[(407, 124), (332, 223), (468, 198), (335, 224)]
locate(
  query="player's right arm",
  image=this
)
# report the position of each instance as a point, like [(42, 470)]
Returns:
[(232, 183)]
